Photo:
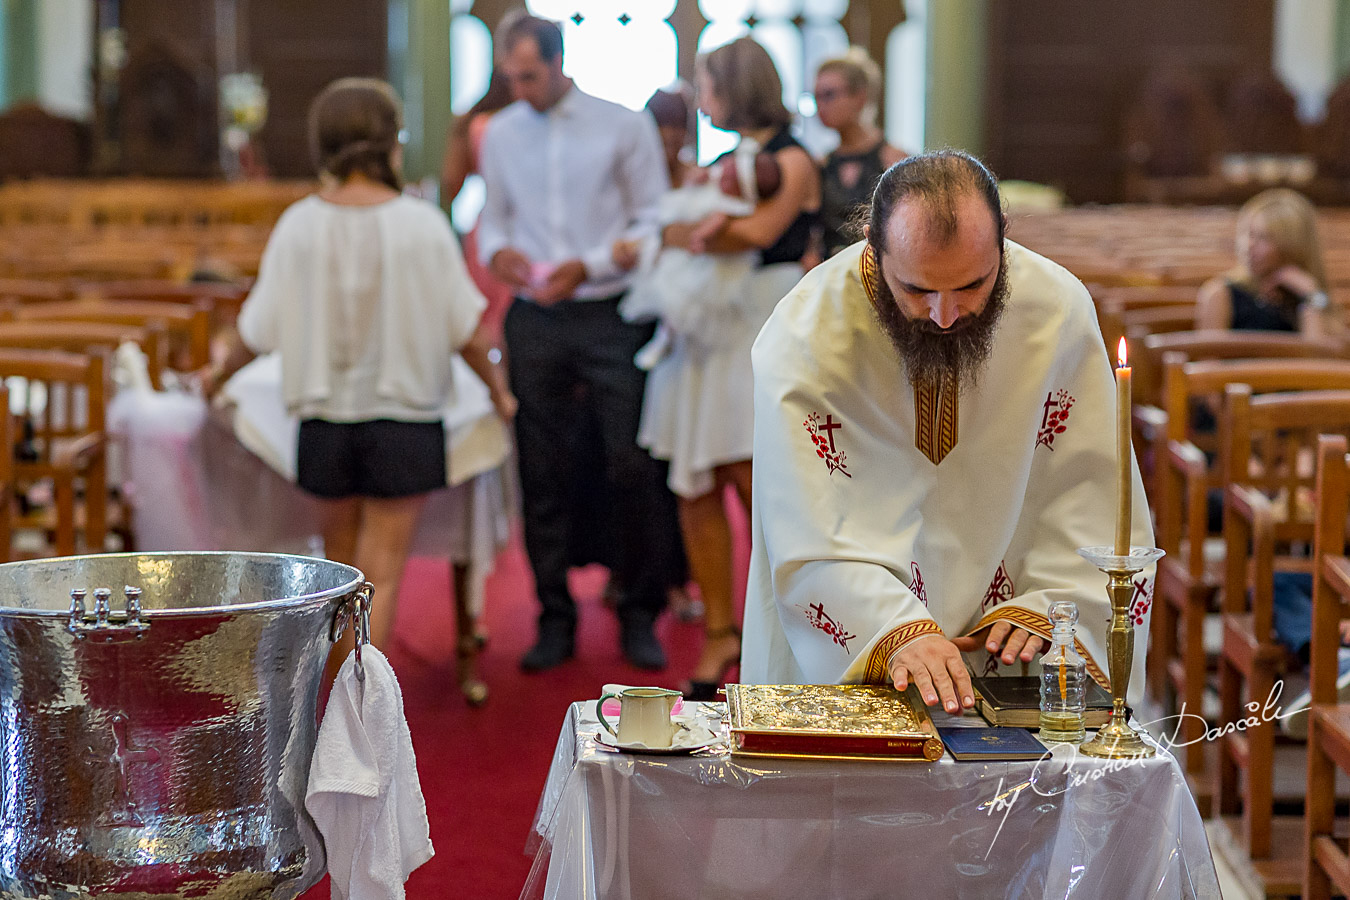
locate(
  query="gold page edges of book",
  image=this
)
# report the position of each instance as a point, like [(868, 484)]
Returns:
[(831, 721)]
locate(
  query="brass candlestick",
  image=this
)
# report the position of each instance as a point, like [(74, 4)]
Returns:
[(1117, 739)]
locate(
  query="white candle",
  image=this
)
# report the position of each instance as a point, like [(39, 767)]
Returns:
[(1123, 482)]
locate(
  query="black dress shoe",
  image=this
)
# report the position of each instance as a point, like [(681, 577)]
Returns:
[(640, 646), (705, 691), (554, 647)]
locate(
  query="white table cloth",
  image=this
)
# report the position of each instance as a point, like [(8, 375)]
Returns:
[(613, 825)]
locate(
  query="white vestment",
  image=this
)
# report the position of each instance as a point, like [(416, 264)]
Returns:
[(862, 543)]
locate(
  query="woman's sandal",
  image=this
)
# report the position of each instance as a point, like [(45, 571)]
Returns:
[(707, 690), (474, 689)]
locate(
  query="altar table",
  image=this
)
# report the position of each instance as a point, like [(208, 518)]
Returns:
[(614, 825)]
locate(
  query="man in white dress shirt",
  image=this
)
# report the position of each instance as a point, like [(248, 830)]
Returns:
[(567, 175), (934, 440)]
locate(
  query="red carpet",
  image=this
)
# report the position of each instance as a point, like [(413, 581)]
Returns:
[(482, 769)]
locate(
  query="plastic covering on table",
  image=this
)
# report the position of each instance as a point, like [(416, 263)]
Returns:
[(224, 479), (615, 825)]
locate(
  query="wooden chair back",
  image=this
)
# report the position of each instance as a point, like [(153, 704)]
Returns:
[(1269, 445), (96, 262), (34, 290), (63, 406), (188, 326), (1180, 502), (86, 337), (1185, 380), (1143, 296), (1219, 343), (225, 297), (1149, 420), (1117, 321)]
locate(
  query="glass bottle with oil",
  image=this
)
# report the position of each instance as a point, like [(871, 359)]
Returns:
[(1063, 680)]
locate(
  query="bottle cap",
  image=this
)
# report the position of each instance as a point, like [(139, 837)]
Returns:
[(1063, 614)]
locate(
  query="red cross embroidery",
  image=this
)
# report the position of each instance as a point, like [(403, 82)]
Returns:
[(917, 585), (829, 429), (822, 620), (1000, 589), (1143, 600), (824, 443), (1054, 418)]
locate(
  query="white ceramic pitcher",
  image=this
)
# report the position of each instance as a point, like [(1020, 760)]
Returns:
[(644, 716)]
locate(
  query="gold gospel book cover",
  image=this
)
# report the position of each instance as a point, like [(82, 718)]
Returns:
[(840, 721)]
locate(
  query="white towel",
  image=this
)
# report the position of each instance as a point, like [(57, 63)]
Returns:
[(363, 789)]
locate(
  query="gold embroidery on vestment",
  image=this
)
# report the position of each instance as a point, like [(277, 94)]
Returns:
[(1040, 625), (877, 670), (936, 412)]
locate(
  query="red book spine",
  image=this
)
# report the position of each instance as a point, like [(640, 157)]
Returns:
[(840, 745)]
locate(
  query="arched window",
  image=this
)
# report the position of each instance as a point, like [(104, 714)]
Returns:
[(470, 69), (470, 61), (620, 50)]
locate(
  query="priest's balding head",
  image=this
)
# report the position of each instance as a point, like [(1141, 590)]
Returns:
[(935, 231)]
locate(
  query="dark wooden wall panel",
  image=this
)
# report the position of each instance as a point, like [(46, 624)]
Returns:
[(301, 45), (1062, 75), (158, 117), (297, 46)]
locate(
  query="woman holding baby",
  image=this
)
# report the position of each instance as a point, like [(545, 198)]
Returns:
[(698, 407)]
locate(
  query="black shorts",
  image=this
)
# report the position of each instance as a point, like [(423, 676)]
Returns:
[(380, 458)]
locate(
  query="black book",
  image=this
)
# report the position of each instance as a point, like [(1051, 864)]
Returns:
[(1016, 700)]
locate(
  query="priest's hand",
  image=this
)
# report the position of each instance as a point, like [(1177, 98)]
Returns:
[(934, 664), (1015, 643)]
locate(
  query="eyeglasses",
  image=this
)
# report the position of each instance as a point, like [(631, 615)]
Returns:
[(829, 95)]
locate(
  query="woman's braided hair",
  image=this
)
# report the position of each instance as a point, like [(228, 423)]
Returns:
[(353, 129)]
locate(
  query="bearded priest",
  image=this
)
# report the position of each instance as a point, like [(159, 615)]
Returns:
[(934, 440)]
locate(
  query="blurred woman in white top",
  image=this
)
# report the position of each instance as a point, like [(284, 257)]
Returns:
[(364, 293)]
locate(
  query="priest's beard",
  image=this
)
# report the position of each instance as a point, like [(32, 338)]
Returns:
[(934, 355)]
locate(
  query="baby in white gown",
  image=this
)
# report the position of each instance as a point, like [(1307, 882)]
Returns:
[(695, 294)]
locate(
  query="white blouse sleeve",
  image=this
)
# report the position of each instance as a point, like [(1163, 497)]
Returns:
[(260, 317), (466, 301)]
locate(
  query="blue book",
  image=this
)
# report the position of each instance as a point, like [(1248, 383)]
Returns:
[(991, 744)]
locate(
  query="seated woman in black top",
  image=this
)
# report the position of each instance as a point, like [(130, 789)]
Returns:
[(1279, 283)]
